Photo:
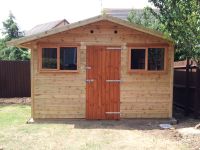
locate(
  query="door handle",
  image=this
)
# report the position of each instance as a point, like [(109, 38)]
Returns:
[(88, 67), (113, 80), (89, 80)]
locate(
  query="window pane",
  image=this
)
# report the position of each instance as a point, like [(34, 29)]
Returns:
[(137, 58), (156, 58), (68, 58), (49, 58)]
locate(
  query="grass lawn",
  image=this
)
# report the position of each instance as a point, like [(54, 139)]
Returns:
[(81, 134)]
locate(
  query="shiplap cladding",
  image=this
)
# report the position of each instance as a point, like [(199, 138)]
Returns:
[(63, 95), (59, 95), (146, 95)]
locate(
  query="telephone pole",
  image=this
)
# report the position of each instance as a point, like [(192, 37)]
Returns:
[(101, 2)]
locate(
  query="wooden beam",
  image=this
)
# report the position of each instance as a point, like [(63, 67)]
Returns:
[(148, 44), (171, 56), (32, 82)]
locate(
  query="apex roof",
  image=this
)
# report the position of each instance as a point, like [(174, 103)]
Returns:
[(19, 42)]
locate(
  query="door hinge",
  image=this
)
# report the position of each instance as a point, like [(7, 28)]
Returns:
[(111, 113)]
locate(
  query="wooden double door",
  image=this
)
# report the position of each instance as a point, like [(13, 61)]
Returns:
[(103, 82)]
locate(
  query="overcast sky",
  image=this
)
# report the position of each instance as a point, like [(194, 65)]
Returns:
[(29, 13)]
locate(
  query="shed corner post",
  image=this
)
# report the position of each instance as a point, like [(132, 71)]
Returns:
[(171, 48), (33, 49)]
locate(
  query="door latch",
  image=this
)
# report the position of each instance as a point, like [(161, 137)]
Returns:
[(90, 80)]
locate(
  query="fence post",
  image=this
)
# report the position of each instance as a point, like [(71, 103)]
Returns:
[(187, 100), (197, 95)]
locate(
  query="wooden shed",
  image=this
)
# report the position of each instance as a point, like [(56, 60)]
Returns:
[(100, 68)]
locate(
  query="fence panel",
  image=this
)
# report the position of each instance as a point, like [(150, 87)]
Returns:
[(15, 79), (185, 90)]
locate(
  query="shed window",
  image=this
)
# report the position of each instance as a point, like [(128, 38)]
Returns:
[(68, 58), (49, 58), (137, 58), (156, 58), (58, 58), (147, 59)]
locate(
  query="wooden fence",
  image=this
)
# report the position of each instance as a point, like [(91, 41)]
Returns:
[(15, 79), (186, 87)]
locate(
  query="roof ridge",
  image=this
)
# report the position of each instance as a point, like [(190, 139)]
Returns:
[(48, 22)]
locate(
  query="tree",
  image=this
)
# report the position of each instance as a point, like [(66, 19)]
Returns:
[(2, 44), (144, 17), (180, 20), (11, 31)]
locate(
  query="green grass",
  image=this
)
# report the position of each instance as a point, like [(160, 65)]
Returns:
[(13, 114), (16, 134), (83, 135)]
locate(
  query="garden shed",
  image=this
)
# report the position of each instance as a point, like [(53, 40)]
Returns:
[(100, 68)]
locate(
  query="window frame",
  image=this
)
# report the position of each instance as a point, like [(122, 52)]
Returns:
[(140, 70), (58, 46), (146, 60)]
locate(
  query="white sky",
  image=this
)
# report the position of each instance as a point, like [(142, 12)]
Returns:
[(29, 13)]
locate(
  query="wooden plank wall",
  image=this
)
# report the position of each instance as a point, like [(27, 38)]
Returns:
[(59, 95), (145, 95), (63, 95)]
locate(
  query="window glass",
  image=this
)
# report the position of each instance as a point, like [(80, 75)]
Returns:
[(68, 58), (156, 58), (137, 58), (49, 58)]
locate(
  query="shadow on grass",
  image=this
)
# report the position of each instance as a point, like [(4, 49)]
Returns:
[(123, 124), (185, 121)]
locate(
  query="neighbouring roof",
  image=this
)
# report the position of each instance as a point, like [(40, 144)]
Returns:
[(119, 13), (123, 13), (182, 64), (26, 39), (46, 26)]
